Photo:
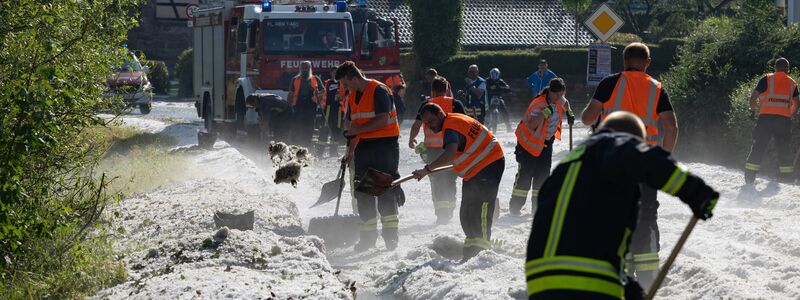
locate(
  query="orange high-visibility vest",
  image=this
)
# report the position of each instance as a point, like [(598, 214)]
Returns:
[(363, 111), (394, 81), (777, 98), (534, 143), (638, 93), (481, 148), (296, 90), (436, 139)]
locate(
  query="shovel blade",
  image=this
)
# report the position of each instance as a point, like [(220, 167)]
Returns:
[(336, 231), (375, 183), (329, 191)]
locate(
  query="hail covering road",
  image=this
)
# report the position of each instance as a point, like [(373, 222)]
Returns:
[(750, 249)]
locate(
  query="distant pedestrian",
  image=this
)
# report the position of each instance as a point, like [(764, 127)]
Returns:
[(474, 94), (539, 79), (304, 97)]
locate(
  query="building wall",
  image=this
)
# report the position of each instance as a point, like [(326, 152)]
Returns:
[(161, 38)]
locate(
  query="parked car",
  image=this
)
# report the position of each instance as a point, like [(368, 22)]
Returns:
[(130, 83)]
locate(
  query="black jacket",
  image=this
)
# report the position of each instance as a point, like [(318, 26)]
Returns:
[(496, 87), (588, 209)]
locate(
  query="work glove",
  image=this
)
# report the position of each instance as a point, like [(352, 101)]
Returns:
[(547, 111), (570, 118), (704, 209), (399, 196)]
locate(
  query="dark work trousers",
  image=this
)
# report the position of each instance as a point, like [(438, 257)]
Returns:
[(477, 112), (767, 128), (531, 174), (303, 129), (443, 186), (645, 242), (382, 154), (478, 198), (333, 130)]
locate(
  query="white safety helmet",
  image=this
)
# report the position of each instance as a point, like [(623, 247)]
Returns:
[(494, 74)]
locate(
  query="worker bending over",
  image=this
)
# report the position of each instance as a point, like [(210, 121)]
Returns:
[(476, 157)]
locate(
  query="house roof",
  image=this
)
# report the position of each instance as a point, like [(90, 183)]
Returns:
[(501, 24)]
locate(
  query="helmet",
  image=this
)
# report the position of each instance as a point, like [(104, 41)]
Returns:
[(494, 74)]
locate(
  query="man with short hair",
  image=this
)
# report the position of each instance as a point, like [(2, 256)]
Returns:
[(588, 208), (775, 99), (371, 124), (443, 184), (304, 97), (475, 94), (539, 79), (430, 74), (476, 157), (633, 90)]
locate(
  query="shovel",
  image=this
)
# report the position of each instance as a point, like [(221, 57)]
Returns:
[(377, 183), (667, 265), (331, 189), (337, 231), (570, 137)]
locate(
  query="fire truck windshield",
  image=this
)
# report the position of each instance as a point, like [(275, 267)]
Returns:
[(308, 35)]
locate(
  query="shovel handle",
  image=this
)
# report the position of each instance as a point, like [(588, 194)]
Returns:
[(667, 265), (409, 177)]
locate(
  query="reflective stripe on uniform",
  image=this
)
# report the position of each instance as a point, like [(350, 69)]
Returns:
[(477, 243), (390, 221), (786, 169), (369, 225), (775, 104), (752, 166), (578, 283), (363, 115), (519, 193), (478, 141), (646, 261), (485, 221), (571, 263), (676, 181), (444, 204), (561, 209)]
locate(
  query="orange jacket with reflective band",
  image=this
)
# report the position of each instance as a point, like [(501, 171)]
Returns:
[(534, 143), (342, 95), (435, 139), (638, 93), (296, 90), (777, 98), (480, 150), (363, 111)]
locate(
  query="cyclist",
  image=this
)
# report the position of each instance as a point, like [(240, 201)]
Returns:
[(495, 88)]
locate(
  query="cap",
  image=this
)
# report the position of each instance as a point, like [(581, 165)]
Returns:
[(542, 61)]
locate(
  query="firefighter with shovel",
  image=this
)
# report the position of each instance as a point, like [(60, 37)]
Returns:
[(588, 209), (476, 157), (371, 124)]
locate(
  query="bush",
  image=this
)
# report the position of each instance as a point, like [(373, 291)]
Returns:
[(721, 53), (53, 65), (158, 76), (184, 71), (446, 17)]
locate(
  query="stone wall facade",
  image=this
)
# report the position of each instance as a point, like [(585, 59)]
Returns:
[(159, 38)]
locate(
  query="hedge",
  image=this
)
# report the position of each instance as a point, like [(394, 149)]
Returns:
[(158, 76), (184, 72)]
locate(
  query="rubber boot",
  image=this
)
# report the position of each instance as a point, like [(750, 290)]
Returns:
[(515, 206), (749, 177), (367, 241), (443, 216), (470, 252), (390, 237), (646, 278)]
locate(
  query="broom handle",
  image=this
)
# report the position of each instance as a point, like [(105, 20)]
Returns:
[(409, 177), (570, 137), (665, 269)]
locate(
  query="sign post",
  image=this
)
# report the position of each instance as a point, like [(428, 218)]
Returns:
[(603, 23)]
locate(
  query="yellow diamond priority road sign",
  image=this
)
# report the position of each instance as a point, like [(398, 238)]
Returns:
[(604, 22)]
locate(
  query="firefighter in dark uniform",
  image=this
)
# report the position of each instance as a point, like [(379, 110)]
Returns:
[(775, 98), (588, 210), (333, 109), (476, 157), (371, 124), (633, 90)]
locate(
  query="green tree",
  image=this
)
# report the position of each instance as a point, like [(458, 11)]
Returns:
[(436, 25), (54, 59), (184, 71), (579, 9)]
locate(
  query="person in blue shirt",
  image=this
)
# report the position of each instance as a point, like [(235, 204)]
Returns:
[(539, 79)]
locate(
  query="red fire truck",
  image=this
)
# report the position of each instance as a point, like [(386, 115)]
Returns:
[(245, 47)]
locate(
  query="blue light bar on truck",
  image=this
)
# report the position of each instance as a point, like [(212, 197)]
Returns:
[(266, 6), (341, 6), (362, 3)]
